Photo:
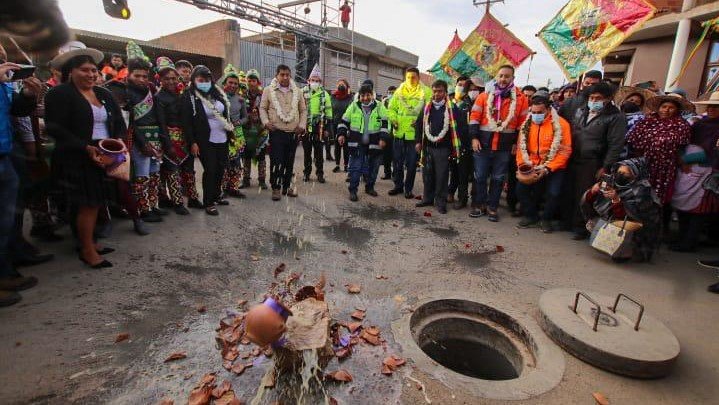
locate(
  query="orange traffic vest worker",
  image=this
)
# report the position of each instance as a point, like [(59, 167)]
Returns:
[(493, 124), (543, 150)]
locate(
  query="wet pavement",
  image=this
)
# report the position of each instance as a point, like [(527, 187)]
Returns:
[(58, 344)]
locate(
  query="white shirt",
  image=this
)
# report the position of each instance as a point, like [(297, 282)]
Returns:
[(217, 128), (99, 123)]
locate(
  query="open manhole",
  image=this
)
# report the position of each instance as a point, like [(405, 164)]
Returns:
[(471, 348), (488, 352)]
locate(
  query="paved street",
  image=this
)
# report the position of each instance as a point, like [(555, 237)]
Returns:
[(58, 344)]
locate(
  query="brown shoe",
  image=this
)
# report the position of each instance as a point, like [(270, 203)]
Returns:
[(276, 195), (292, 193), (8, 298), (17, 283)]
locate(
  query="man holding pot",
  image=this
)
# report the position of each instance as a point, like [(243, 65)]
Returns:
[(543, 150)]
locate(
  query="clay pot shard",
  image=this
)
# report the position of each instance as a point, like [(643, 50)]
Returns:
[(265, 323)]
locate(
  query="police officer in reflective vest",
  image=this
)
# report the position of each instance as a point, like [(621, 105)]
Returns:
[(364, 128), (319, 119)]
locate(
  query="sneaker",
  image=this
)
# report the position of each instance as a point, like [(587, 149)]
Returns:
[(712, 264), (195, 203), (8, 298), (263, 185), (222, 202), (527, 223), (460, 204), (181, 210), (212, 210), (395, 191), (336, 169), (478, 212), (150, 216), (292, 193), (546, 226), (492, 216), (140, 227), (714, 288), (353, 197), (371, 191), (159, 212), (236, 194), (276, 195), (17, 283)]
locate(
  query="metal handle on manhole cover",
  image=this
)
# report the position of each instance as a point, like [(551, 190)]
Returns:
[(599, 308), (641, 308)]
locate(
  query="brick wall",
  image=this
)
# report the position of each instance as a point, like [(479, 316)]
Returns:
[(209, 39)]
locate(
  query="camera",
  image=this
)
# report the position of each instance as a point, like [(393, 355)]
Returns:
[(606, 182)]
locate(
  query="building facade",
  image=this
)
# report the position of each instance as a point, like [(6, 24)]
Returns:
[(647, 54)]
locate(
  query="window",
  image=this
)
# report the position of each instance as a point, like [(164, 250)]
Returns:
[(711, 70)]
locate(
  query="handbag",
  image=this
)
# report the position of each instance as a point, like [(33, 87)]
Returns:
[(120, 166), (616, 241)]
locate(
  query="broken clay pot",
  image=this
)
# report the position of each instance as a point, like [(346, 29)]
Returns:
[(265, 323)]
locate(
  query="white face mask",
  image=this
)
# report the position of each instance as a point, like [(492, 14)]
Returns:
[(314, 85), (459, 90), (473, 94)]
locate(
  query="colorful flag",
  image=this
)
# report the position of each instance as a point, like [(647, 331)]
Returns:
[(440, 70), (488, 47), (584, 31)]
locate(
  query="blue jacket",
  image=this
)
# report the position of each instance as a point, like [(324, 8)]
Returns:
[(11, 103)]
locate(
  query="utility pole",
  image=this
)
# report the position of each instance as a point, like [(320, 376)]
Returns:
[(486, 3)]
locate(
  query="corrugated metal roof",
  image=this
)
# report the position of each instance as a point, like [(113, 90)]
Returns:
[(143, 44)]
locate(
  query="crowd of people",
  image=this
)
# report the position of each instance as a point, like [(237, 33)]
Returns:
[(121, 140)]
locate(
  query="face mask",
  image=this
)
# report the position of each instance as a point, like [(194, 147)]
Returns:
[(459, 90), (203, 86), (390, 95), (341, 89), (438, 103), (474, 94), (367, 105), (622, 180), (314, 85), (595, 106), (538, 118)]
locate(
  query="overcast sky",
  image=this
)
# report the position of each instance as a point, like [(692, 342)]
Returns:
[(423, 27)]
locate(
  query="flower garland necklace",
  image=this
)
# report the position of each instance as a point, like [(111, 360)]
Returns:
[(294, 113), (448, 119), (491, 110), (211, 106), (556, 140)]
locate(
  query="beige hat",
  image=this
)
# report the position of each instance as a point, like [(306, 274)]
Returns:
[(713, 99), (72, 49), (656, 101), (625, 91)]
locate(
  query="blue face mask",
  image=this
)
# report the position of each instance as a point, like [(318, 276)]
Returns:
[(595, 106), (538, 118), (203, 86)]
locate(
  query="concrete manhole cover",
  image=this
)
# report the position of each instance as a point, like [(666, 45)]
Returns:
[(612, 333), (484, 350)]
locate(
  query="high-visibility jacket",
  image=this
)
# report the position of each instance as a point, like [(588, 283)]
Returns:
[(479, 123), (539, 142), (403, 112), (353, 126), (318, 102)]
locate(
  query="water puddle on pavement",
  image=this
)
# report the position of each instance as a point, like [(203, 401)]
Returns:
[(376, 213), (345, 232)]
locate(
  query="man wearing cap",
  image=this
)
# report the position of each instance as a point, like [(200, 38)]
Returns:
[(256, 138), (319, 119), (404, 108), (168, 112), (284, 113), (231, 81)]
